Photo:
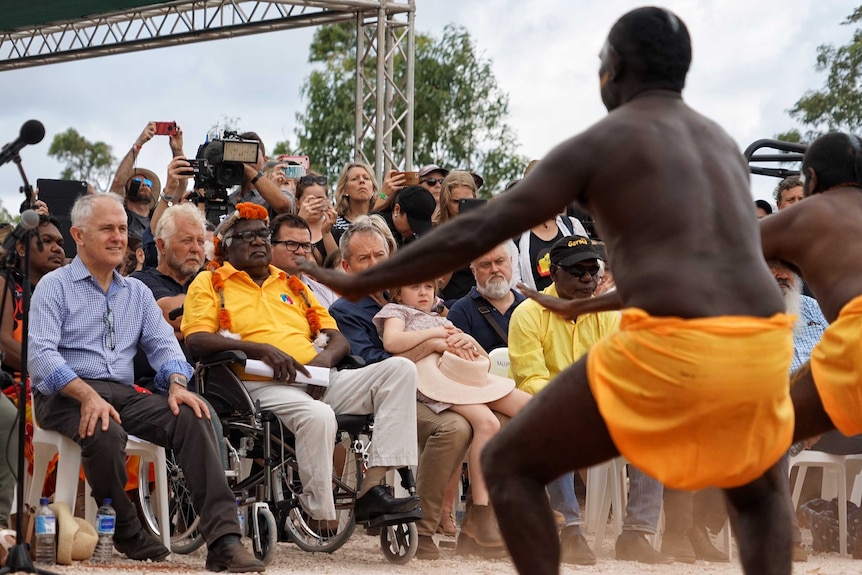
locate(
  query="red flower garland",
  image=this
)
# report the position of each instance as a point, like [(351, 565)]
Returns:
[(293, 284)]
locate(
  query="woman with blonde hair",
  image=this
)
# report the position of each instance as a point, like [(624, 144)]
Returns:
[(458, 185), (355, 194)]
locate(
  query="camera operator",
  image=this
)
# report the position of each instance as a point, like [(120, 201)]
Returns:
[(141, 189), (258, 189)]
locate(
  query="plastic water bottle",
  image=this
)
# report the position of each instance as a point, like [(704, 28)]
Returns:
[(106, 519), (240, 516), (46, 529)]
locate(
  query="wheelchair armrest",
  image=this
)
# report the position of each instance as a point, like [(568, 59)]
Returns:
[(223, 357), (351, 362)]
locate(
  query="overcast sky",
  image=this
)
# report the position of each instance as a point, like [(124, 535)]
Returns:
[(751, 61)]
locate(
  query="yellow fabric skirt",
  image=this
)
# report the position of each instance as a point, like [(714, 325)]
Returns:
[(836, 365), (696, 402)]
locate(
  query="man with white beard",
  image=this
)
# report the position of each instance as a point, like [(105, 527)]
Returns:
[(810, 322), (485, 312), (807, 331)]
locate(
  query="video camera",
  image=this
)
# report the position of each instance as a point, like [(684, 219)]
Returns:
[(220, 166)]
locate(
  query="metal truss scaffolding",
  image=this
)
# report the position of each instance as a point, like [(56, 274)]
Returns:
[(385, 32)]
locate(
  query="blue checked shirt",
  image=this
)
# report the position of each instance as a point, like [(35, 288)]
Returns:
[(807, 333), (77, 330)]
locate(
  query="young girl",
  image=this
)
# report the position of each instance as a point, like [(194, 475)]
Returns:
[(407, 323)]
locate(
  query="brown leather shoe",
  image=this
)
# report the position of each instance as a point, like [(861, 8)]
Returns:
[(678, 546), (574, 549), (703, 547), (466, 545), (480, 523), (426, 548), (633, 546), (229, 554)]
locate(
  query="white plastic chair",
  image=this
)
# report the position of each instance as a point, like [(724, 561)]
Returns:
[(606, 490), (500, 361), (835, 469), (48, 443)]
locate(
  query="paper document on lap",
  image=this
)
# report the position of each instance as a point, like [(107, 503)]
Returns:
[(319, 375)]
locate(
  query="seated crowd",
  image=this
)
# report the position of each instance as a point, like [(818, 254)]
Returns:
[(426, 376)]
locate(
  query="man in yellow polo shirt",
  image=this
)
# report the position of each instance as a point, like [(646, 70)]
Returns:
[(250, 305), (541, 345)]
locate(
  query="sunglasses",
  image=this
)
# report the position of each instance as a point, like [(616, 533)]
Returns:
[(293, 246), (433, 181), (249, 236), (143, 180), (579, 270), (310, 180)]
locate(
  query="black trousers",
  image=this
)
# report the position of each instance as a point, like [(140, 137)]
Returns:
[(148, 417)]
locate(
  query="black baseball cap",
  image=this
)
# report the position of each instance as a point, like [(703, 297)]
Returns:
[(572, 250), (763, 205), (418, 205)]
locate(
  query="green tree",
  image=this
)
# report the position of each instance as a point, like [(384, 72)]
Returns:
[(838, 104), (460, 113), (84, 160)]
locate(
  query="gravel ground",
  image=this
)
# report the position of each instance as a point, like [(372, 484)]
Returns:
[(362, 555)]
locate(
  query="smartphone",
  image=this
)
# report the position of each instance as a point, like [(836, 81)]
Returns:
[(410, 178), (468, 204), (60, 195), (166, 128), (294, 172)]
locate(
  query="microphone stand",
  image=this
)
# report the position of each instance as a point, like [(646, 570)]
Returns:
[(26, 189), (19, 554)]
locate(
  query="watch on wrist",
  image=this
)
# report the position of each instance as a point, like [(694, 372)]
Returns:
[(179, 380), (256, 178), (169, 200)]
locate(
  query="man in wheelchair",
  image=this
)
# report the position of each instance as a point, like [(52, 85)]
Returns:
[(249, 305)]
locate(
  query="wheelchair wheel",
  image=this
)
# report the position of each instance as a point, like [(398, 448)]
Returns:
[(264, 534), (327, 536), (399, 542), (185, 536)]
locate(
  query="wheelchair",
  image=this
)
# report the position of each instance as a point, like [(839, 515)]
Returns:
[(260, 463)]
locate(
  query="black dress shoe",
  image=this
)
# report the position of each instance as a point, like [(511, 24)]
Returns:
[(377, 501), (633, 546), (142, 546), (229, 554)]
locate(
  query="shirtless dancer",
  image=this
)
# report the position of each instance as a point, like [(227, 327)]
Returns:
[(820, 238), (693, 389)]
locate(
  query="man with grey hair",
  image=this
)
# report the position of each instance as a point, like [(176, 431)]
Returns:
[(443, 437), (788, 192), (87, 323), (180, 238), (485, 312)]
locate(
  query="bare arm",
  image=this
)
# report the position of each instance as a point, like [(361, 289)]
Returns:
[(10, 346), (168, 304), (426, 348), (273, 195), (554, 183), (284, 367), (397, 340), (571, 308), (175, 188), (127, 164), (336, 349)]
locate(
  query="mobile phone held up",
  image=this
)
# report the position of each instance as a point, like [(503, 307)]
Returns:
[(468, 204), (166, 128)]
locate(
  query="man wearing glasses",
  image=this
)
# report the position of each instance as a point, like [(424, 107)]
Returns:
[(252, 306), (87, 322), (543, 344), (291, 241)]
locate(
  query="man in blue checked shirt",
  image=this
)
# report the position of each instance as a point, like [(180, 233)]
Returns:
[(86, 322)]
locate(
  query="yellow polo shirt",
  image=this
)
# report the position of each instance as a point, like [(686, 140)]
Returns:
[(271, 313), (542, 344)]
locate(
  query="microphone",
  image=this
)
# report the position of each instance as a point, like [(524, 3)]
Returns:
[(32, 132), (29, 221)]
